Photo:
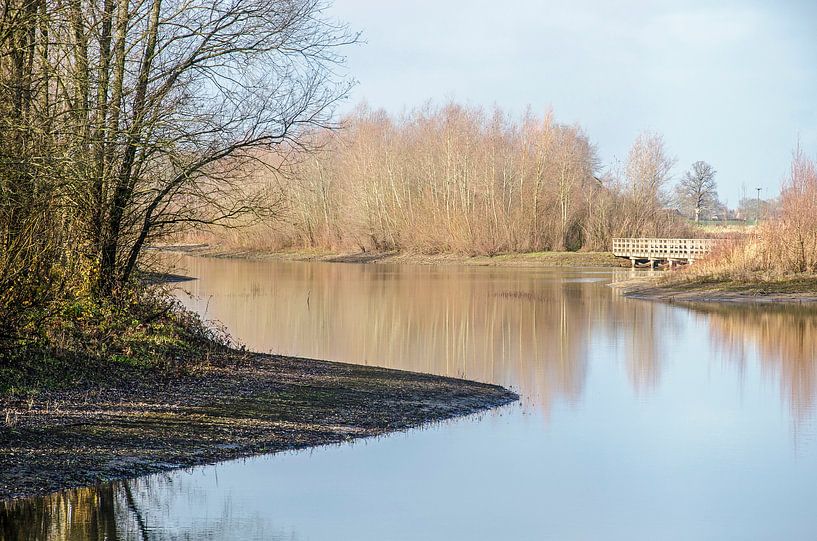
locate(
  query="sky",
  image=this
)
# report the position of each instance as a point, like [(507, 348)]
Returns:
[(733, 83)]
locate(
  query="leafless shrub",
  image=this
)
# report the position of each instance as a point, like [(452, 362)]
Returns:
[(122, 122), (783, 244), (461, 179)]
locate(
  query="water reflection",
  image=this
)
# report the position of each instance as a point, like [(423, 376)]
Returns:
[(642, 420), (73, 515), (524, 328), (154, 507), (529, 329), (782, 337)]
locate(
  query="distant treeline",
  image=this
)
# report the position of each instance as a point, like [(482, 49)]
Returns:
[(461, 179)]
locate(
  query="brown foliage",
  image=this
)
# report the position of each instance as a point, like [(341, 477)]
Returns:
[(121, 122), (458, 179), (783, 244)]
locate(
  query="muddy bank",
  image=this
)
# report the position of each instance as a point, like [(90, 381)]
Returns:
[(534, 259), (657, 288), (261, 404)]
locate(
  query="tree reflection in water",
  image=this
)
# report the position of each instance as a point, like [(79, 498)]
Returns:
[(92, 513), (782, 337), (134, 510), (529, 329), (539, 331)]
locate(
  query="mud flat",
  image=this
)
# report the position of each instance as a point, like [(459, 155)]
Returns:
[(243, 405), (792, 290)]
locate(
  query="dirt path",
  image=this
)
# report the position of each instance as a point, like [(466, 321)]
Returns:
[(264, 404)]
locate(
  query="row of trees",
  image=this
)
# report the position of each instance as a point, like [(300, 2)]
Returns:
[(122, 121), (462, 179)]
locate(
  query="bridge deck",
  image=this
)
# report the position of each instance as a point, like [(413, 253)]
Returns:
[(663, 249)]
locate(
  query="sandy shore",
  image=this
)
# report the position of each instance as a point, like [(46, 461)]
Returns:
[(258, 404)]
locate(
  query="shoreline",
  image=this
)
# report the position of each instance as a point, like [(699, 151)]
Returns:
[(252, 404), (794, 291), (797, 290), (532, 259)]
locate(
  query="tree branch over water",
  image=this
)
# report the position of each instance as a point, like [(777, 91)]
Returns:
[(134, 117)]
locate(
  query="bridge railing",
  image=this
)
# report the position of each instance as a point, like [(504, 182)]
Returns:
[(653, 248)]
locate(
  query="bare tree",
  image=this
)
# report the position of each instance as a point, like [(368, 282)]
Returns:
[(697, 190), (210, 86), (649, 168), (798, 214), (647, 172), (151, 112), (33, 238), (456, 178), (785, 242), (448, 178)]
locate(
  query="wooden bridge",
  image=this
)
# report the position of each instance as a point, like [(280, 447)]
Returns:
[(654, 251)]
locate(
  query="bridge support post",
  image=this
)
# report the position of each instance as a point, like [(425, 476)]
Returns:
[(632, 262)]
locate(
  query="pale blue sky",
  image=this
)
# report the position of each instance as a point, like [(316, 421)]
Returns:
[(732, 82)]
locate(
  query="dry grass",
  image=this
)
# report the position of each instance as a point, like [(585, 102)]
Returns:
[(781, 252), (459, 180)]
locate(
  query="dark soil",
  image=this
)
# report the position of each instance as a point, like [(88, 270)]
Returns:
[(249, 405)]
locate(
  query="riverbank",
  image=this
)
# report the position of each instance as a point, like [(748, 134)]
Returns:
[(669, 288), (242, 405), (532, 259)]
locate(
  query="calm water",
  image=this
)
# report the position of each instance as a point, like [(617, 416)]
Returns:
[(638, 420)]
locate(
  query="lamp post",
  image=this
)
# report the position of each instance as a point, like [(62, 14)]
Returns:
[(757, 209)]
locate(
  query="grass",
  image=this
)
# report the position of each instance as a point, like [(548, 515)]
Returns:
[(550, 258), (565, 259), (749, 283), (83, 341)]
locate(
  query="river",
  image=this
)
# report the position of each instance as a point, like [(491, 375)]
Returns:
[(638, 420)]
